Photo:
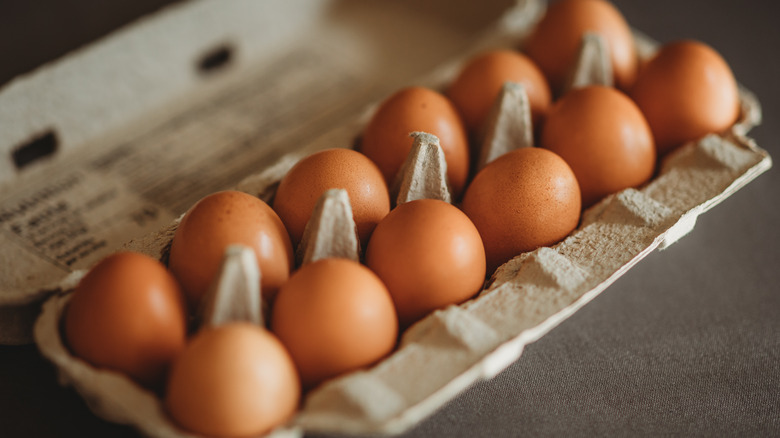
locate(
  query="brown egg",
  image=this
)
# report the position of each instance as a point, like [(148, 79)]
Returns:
[(386, 138), (555, 41), (334, 316), (303, 185), (686, 91), (523, 200), (429, 255), (128, 314), (222, 219), (603, 137), (479, 83), (234, 380)]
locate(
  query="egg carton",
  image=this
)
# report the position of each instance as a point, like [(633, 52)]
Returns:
[(525, 298), (454, 347)]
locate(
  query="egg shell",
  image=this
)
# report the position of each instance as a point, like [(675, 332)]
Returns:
[(386, 139), (523, 200), (334, 316), (479, 83), (686, 91), (429, 255), (128, 314), (303, 185), (556, 39), (604, 138), (235, 380), (218, 221)]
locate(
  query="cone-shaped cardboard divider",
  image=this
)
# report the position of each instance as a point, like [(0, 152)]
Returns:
[(331, 230), (424, 173), (235, 293), (508, 126), (592, 66)]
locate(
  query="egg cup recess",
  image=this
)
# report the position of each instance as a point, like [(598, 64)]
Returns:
[(527, 296), (233, 298), (115, 396)]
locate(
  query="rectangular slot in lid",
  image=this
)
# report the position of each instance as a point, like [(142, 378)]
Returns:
[(41, 146), (215, 60)]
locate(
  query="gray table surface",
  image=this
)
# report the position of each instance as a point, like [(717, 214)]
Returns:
[(686, 343)]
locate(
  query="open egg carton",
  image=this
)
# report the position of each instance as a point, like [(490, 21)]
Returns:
[(525, 298)]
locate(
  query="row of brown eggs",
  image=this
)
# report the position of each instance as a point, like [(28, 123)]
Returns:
[(333, 316)]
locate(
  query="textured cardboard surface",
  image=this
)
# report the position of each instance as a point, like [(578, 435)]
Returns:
[(508, 124), (424, 172), (331, 230)]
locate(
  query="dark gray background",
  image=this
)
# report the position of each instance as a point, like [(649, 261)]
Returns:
[(686, 343)]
